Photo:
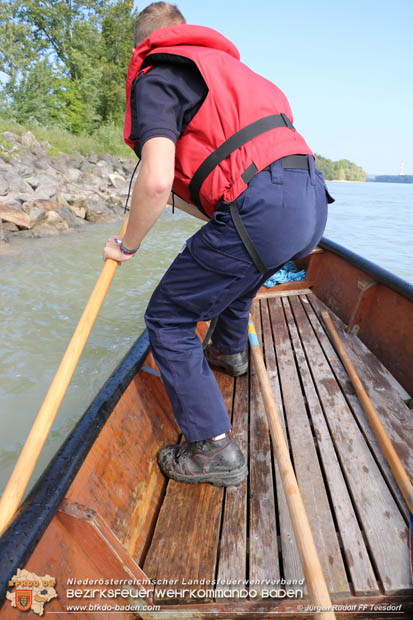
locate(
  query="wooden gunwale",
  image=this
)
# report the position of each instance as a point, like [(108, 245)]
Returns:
[(38, 511), (381, 315), (404, 288)]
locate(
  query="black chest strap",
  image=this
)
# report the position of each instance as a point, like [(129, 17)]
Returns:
[(230, 145)]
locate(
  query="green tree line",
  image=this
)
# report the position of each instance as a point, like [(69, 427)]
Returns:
[(342, 170), (65, 61)]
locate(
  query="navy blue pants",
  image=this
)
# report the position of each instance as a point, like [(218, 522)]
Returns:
[(284, 212)]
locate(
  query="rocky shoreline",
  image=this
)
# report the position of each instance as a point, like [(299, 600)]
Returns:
[(43, 195)]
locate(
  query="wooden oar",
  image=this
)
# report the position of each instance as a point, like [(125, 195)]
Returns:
[(389, 452), (27, 460), (313, 572)]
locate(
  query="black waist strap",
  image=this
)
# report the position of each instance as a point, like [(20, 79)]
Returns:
[(289, 161), (233, 143), (296, 161)]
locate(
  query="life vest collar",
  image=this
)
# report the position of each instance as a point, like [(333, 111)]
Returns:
[(184, 34)]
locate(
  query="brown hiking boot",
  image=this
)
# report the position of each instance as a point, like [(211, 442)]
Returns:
[(219, 462)]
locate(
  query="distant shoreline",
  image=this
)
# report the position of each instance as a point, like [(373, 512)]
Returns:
[(370, 181)]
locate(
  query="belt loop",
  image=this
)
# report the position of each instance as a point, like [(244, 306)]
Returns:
[(311, 166), (277, 172)]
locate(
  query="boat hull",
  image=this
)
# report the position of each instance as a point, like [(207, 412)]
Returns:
[(102, 510)]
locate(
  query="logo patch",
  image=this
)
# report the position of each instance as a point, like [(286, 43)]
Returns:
[(32, 592), (24, 599)]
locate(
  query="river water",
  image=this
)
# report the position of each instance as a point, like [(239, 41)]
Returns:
[(45, 284)]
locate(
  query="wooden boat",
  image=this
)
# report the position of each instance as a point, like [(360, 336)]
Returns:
[(102, 511)]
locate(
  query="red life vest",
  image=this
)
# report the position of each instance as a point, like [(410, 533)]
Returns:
[(237, 99)]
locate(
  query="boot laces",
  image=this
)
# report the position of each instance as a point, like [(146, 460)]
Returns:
[(186, 449)]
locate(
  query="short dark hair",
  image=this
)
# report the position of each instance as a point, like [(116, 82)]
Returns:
[(154, 16)]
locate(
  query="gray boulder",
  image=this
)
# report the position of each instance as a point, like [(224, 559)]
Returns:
[(92, 158), (75, 160), (118, 181), (24, 170), (36, 215), (41, 163), (72, 175), (16, 184), (43, 178), (4, 186), (4, 165), (91, 181), (11, 137), (53, 224), (97, 210), (78, 212), (47, 191), (59, 162), (4, 236), (104, 169), (70, 218), (87, 166), (29, 141)]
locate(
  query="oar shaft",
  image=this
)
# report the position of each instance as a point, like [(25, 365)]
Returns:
[(305, 543), (19, 479), (391, 455)]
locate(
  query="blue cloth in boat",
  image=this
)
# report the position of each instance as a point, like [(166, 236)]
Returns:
[(284, 212), (287, 273)]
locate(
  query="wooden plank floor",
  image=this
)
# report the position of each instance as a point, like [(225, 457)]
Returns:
[(356, 512)]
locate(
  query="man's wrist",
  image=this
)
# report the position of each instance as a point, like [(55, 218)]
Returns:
[(124, 249)]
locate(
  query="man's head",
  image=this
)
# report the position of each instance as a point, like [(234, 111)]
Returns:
[(156, 15)]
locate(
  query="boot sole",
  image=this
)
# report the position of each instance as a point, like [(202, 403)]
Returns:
[(232, 479)]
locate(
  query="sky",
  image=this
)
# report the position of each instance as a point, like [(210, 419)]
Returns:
[(346, 67)]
